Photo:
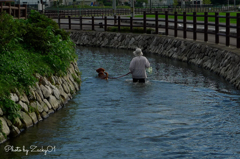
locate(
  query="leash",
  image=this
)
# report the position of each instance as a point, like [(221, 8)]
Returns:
[(119, 76)]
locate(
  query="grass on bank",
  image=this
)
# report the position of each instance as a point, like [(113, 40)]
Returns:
[(210, 19), (27, 47)]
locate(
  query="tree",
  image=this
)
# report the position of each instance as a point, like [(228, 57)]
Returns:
[(139, 3), (206, 1), (188, 2), (175, 3)]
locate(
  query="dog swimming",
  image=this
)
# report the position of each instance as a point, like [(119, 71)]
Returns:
[(102, 74)]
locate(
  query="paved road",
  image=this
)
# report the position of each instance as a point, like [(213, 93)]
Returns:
[(200, 36)]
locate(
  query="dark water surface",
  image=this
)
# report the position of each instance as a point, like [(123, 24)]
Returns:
[(181, 112)]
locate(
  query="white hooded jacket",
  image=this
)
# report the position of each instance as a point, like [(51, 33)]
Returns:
[(138, 67)]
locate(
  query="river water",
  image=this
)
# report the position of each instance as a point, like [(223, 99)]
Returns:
[(182, 111)]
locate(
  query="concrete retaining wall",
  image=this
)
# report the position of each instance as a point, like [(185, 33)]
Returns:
[(220, 60)]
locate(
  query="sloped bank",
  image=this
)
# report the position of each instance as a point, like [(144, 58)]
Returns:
[(48, 96), (222, 61)]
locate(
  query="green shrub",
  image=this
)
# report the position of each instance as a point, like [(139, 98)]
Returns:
[(27, 47), (10, 32), (41, 31), (1, 128), (10, 108)]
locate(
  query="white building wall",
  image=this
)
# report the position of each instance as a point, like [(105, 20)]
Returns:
[(162, 2)]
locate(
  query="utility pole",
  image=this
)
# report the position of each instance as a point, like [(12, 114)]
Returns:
[(132, 8), (150, 6), (114, 7), (228, 5)]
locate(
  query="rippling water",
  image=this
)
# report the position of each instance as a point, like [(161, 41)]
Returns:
[(181, 112)]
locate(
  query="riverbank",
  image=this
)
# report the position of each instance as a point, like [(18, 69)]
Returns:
[(216, 58), (38, 71), (48, 96)]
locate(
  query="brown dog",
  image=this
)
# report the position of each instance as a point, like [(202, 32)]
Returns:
[(102, 74)]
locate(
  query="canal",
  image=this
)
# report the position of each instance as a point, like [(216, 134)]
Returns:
[(182, 111)]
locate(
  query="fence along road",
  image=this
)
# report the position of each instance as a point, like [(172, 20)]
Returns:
[(213, 32)]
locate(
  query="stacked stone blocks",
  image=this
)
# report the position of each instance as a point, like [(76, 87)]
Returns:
[(46, 97)]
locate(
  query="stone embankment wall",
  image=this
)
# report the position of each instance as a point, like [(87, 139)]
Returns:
[(219, 60), (48, 96)]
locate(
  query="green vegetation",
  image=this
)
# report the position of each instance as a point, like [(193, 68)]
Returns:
[(127, 29), (32, 109), (76, 79), (210, 19), (139, 3), (207, 2), (1, 127), (27, 47), (10, 108), (175, 3), (224, 1)]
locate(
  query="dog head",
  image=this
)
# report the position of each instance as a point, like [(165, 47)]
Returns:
[(100, 70)]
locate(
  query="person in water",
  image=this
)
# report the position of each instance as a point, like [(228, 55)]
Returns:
[(138, 66)]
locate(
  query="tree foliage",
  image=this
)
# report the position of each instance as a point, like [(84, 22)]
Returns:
[(175, 3), (225, 2), (206, 1)]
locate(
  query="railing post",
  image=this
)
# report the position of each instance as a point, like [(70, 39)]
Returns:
[(166, 22), (144, 22), (105, 23), (69, 22), (59, 22), (115, 19), (194, 26), (9, 8), (227, 28), (19, 11), (14, 12), (156, 22), (184, 25), (1, 6), (119, 23), (206, 26), (131, 24), (92, 22), (216, 27), (238, 30), (25, 11), (80, 22), (175, 24)]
